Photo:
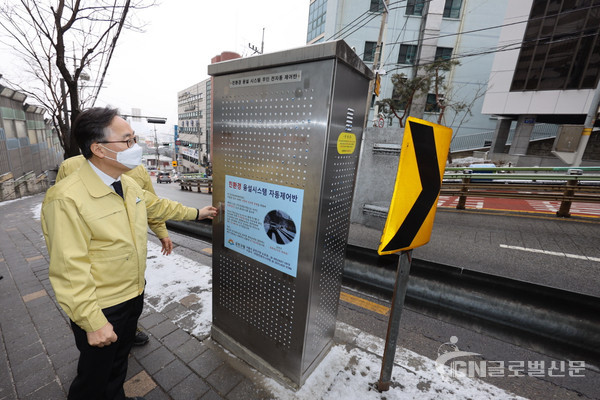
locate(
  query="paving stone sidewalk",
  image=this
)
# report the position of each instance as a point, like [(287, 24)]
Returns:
[(38, 358)]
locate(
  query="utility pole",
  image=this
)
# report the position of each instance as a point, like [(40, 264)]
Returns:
[(587, 127), (156, 120), (433, 11), (377, 57)]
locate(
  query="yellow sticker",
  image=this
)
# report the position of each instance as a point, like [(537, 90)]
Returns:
[(346, 143)]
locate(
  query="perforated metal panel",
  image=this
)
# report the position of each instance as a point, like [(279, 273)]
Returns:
[(291, 126)]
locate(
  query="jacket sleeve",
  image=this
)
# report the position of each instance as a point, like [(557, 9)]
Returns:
[(163, 209), (68, 239), (158, 227)]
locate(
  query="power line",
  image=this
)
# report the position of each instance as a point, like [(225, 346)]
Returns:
[(364, 22), (365, 14), (357, 28)]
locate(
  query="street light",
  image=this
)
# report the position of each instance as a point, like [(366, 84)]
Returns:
[(156, 120)]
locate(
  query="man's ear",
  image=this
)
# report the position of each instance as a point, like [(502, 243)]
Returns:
[(97, 150)]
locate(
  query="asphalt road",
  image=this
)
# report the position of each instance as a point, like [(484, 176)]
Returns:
[(191, 199), (539, 248), (459, 239)]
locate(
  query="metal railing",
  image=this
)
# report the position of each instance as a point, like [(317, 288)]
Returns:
[(189, 182), (567, 185)]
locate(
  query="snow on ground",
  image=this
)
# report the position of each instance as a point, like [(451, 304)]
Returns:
[(36, 211), (175, 278), (347, 372)]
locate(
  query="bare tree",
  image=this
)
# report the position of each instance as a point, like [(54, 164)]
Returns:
[(42, 32), (406, 89)]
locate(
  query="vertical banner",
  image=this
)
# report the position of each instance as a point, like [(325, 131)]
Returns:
[(262, 221), (421, 168)]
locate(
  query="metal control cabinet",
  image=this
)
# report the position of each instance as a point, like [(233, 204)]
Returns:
[(287, 129)]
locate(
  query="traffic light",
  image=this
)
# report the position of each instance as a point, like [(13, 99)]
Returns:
[(377, 84)]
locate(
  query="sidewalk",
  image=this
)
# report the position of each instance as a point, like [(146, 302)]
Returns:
[(38, 357)]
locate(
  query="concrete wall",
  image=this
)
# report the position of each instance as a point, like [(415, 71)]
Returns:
[(376, 175), (26, 185)]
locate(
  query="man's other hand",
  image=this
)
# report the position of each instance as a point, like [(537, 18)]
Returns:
[(167, 245), (102, 337)]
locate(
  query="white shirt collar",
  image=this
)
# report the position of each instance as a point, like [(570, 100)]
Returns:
[(107, 179)]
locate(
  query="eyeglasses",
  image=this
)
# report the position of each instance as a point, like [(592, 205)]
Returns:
[(130, 142)]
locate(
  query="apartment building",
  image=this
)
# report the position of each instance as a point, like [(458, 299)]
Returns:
[(415, 33)]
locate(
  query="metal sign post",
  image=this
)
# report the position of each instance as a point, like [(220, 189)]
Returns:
[(410, 218), (394, 323)]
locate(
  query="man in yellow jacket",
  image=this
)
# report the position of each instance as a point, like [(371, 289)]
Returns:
[(95, 225), (142, 178)]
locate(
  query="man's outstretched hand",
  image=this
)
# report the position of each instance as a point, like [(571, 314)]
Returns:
[(207, 212)]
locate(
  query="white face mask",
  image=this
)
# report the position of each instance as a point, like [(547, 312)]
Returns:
[(131, 158)]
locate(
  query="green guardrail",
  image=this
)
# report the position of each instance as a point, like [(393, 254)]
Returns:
[(533, 177), (533, 169), (195, 176)]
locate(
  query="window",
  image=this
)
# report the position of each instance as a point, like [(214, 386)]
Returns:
[(561, 48), (431, 105), (376, 6), (369, 54), (408, 54), (415, 7), (316, 19), (452, 8), (443, 53)]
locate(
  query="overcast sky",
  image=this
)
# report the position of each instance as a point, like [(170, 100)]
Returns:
[(179, 41), (181, 37)]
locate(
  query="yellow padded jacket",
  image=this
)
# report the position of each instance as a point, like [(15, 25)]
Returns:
[(97, 242), (139, 174)]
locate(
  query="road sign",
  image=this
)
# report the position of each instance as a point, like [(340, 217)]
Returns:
[(423, 157), (174, 163)]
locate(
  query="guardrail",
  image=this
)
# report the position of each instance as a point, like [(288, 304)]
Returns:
[(188, 183), (539, 184)]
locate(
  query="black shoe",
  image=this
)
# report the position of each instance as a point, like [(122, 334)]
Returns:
[(140, 339)]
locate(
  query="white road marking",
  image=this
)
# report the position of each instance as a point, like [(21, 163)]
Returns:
[(551, 253)]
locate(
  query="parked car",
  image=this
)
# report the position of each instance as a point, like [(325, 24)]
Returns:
[(163, 177)]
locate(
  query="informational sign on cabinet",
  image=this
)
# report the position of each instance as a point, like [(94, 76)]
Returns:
[(262, 221)]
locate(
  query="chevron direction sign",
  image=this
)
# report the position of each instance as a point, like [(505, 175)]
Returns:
[(423, 157)]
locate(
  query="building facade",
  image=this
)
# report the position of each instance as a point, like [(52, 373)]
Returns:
[(548, 74), (194, 129), (193, 132), (27, 141), (415, 33)]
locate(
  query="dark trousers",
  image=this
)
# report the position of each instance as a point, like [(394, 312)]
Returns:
[(101, 370)]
